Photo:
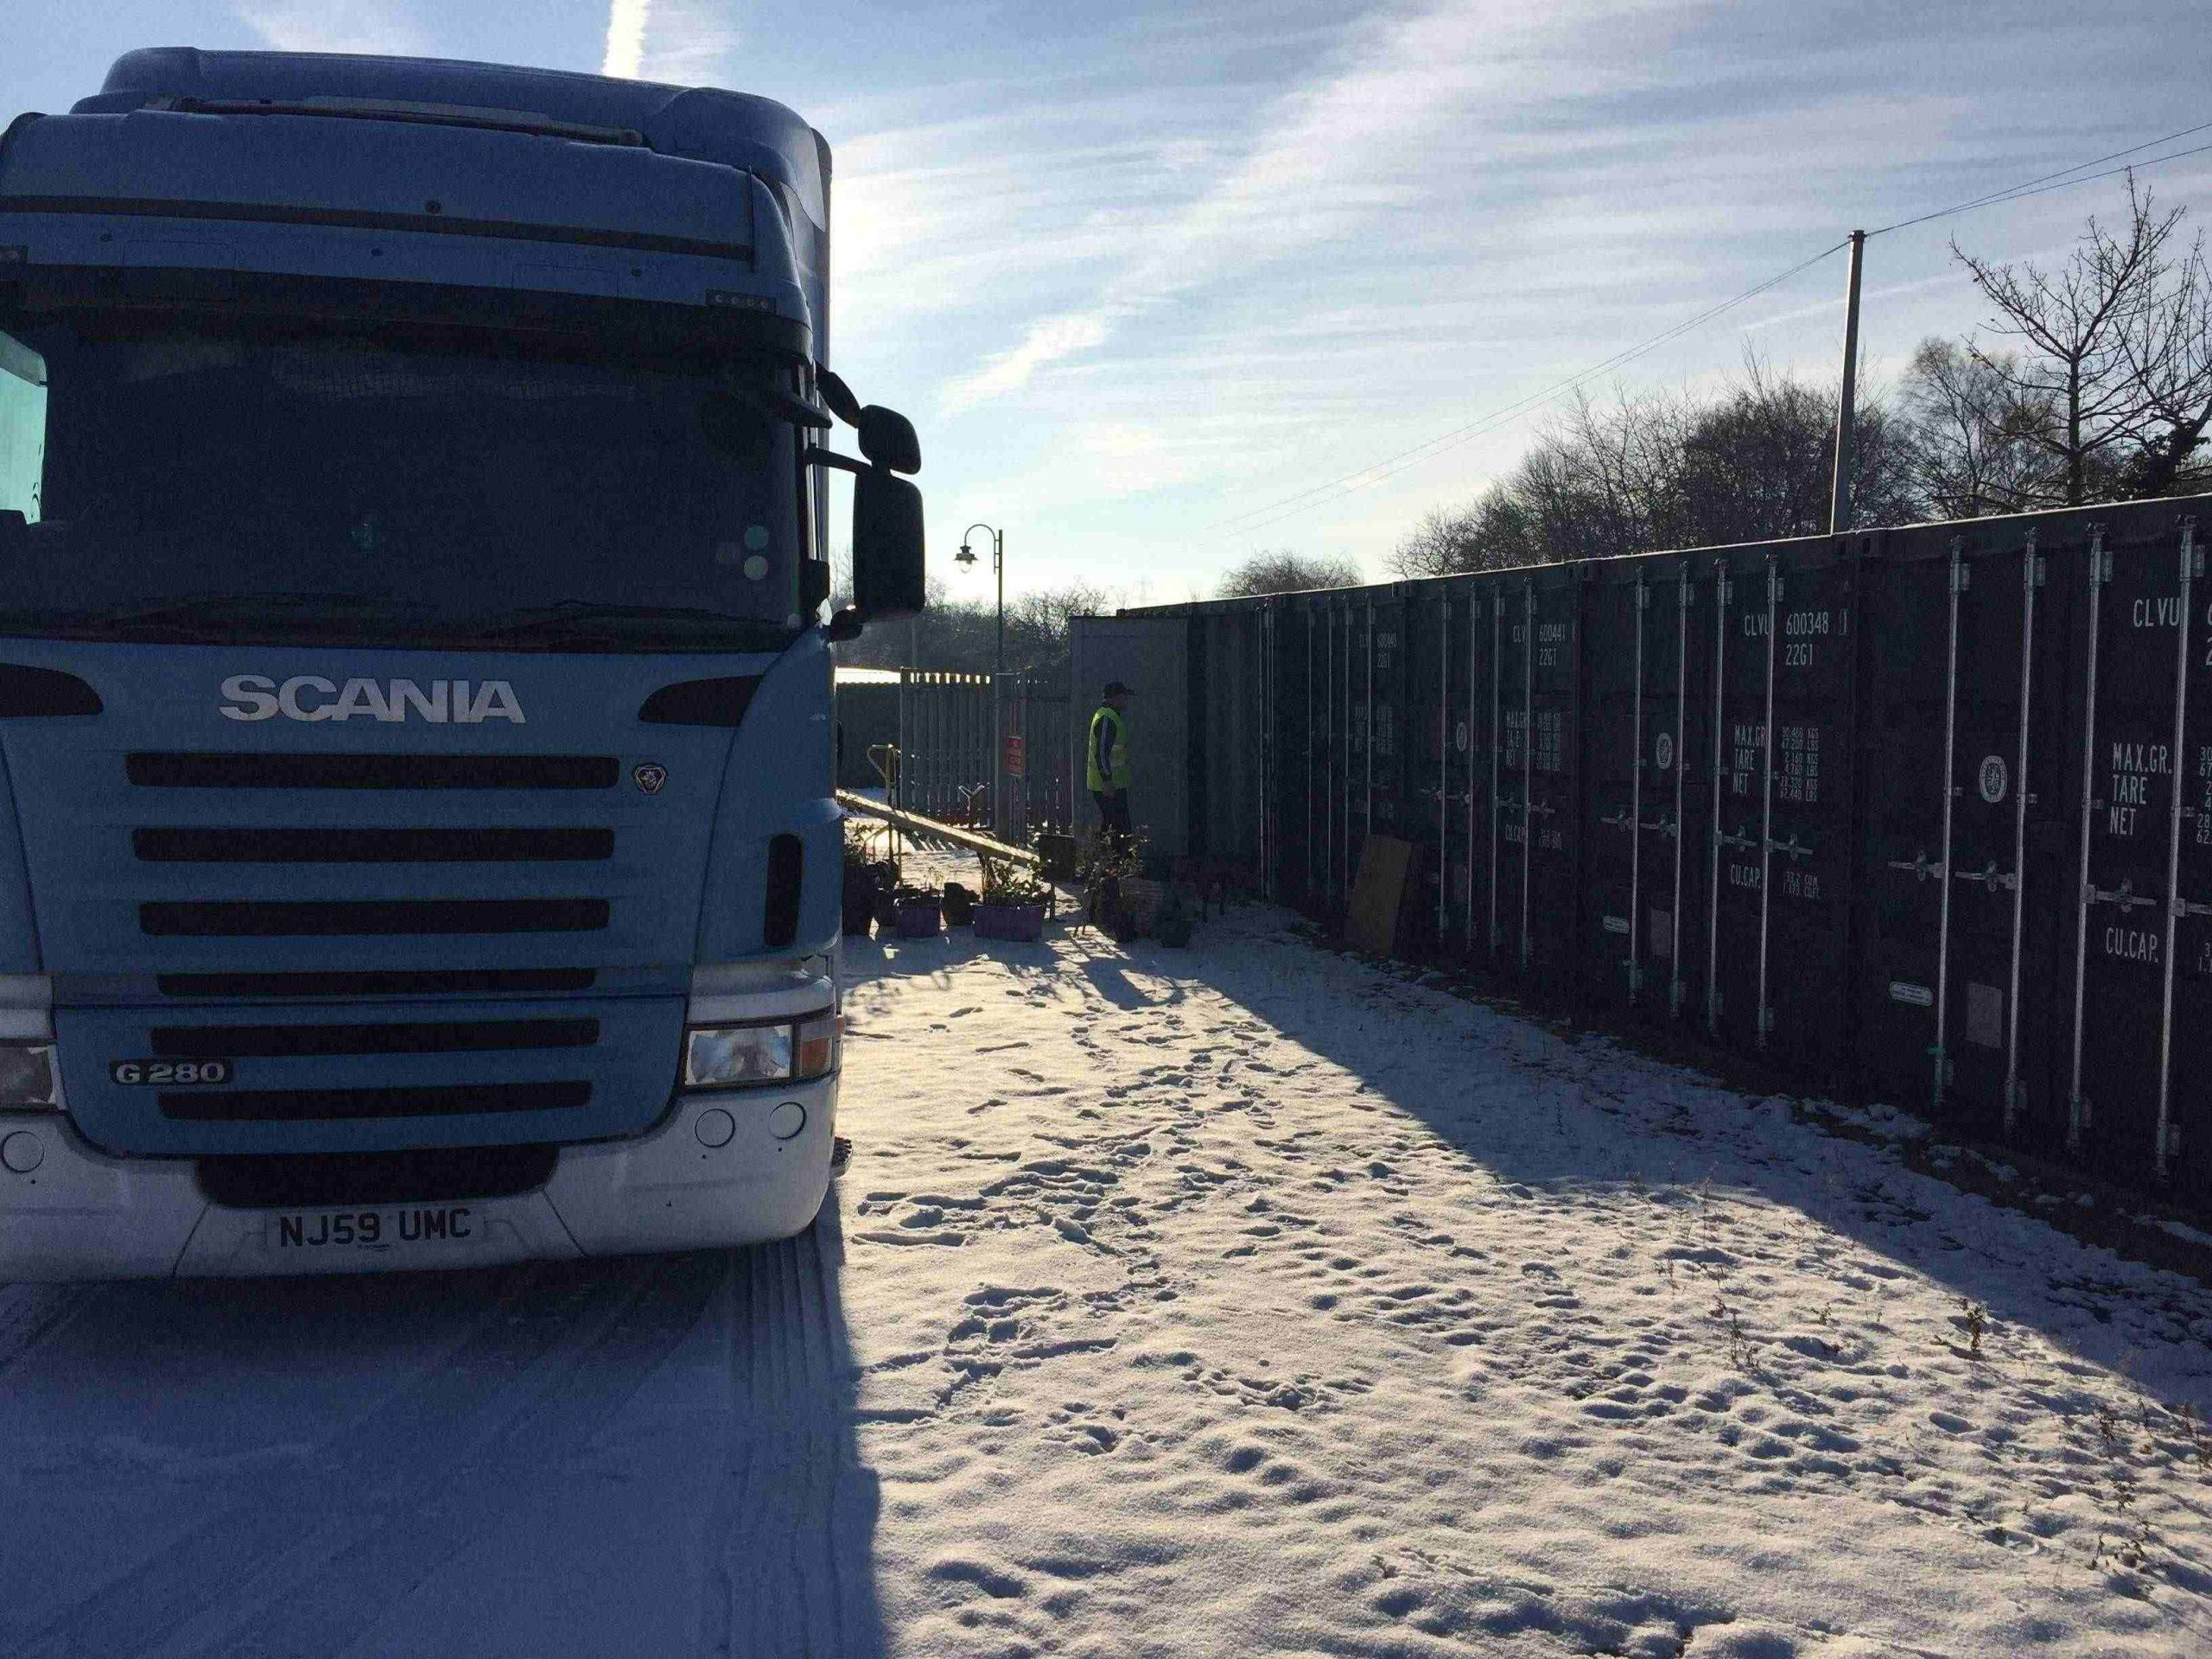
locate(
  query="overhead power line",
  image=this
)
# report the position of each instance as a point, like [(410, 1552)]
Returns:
[(1377, 472), (2037, 187), (1290, 506)]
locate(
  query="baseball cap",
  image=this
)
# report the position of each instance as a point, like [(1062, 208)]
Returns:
[(1115, 689)]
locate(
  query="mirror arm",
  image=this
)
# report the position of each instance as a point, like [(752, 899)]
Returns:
[(819, 457), (846, 624)]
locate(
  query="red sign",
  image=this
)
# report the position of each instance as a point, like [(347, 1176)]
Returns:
[(1015, 758)]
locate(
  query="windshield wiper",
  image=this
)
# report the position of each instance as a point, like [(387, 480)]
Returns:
[(248, 608), (218, 615), (574, 618)]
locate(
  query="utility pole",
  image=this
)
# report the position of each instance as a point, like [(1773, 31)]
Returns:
[(967, 556), (1845, 409)]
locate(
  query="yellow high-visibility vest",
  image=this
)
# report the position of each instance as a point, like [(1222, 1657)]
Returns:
[(1106, 763)]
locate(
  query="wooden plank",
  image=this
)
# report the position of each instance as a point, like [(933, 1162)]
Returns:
[(1377, 893), (915, 823)]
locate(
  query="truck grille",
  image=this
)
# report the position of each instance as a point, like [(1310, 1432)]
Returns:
[(474, 846), (252, 919), (438, 1175), (380, 1037), (325, 1105), (153, 769), (431, 981)]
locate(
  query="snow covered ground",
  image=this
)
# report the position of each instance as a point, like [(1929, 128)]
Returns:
[(1245, 1300)]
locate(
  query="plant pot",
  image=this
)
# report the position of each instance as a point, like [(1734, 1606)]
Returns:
[(1173, 929), (1023, 922), (959, 904), (1056, 855), (858, 914), (919, 919), (885, 907)]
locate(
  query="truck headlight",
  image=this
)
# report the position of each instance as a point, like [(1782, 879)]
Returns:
[(781, 1050), (28, 1078)]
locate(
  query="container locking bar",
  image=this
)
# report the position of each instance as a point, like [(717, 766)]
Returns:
[(2099, 572), (2175, 909)]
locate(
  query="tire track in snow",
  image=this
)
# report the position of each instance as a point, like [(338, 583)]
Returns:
[(788, 1535), (420, 1525), (31, 1313), (387, 1467)]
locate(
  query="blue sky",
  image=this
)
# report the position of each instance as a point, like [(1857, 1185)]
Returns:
[(1140, 271)]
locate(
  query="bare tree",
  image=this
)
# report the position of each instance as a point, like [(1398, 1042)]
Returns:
[(1669, 470), (2089, 328), (2169, 355), (1281, 571), (1972, 451)]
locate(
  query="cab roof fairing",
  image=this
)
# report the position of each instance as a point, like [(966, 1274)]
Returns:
[(688, 132)]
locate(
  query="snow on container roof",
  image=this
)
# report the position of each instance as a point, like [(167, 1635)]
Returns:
[(756, 135)]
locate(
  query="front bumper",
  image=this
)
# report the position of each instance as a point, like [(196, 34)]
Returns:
[(716, 1172)]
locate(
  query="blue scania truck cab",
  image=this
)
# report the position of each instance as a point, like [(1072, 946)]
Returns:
[(417, 842)]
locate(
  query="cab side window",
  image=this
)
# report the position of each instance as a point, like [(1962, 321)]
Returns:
[(22, 428)]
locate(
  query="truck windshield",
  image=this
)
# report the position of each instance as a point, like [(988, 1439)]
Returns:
[(188, 481)]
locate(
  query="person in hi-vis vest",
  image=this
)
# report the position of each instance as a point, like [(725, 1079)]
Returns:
[(1106, 763)]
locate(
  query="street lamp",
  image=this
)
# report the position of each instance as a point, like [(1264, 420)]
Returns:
[(967, 556)]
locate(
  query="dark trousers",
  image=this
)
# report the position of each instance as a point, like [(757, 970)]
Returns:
[(1114, 815)]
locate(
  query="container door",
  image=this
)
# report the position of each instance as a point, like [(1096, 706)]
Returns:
[(2137, 1070), (1618, 617)]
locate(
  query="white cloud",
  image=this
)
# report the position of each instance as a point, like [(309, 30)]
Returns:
[(625, 37), (333, 26), (1330, 158), (689, 42), (686, 43)]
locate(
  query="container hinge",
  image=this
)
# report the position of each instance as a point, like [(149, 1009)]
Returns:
[(1989, 878), (1766, 1021), (1714, 1001), (2042, 571), (1746, 843), (1792, 848), (1620, 820), (1659, 826), (2183, 909), (1921, 868), (1961, 577), (1642, 596), (2173, 1139), (2124, 897), (1634, 978)]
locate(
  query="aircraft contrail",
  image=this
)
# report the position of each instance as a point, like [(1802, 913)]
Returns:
[(625, 37)]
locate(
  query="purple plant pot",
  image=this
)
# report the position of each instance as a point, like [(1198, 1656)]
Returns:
[(1022, 922), (919, 918)]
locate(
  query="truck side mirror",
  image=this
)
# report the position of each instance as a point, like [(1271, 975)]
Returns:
[(887, 439), (888, 580)]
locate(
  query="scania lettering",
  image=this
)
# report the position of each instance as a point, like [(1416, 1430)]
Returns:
[(417, 842), (310, 697)]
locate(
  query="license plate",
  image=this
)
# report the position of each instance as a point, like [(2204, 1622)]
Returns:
[(411, 1225), (169, 1074)]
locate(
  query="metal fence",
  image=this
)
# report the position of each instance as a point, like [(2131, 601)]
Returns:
[(946, 740), (991, 755), (1921, 814), (1040, 779)]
